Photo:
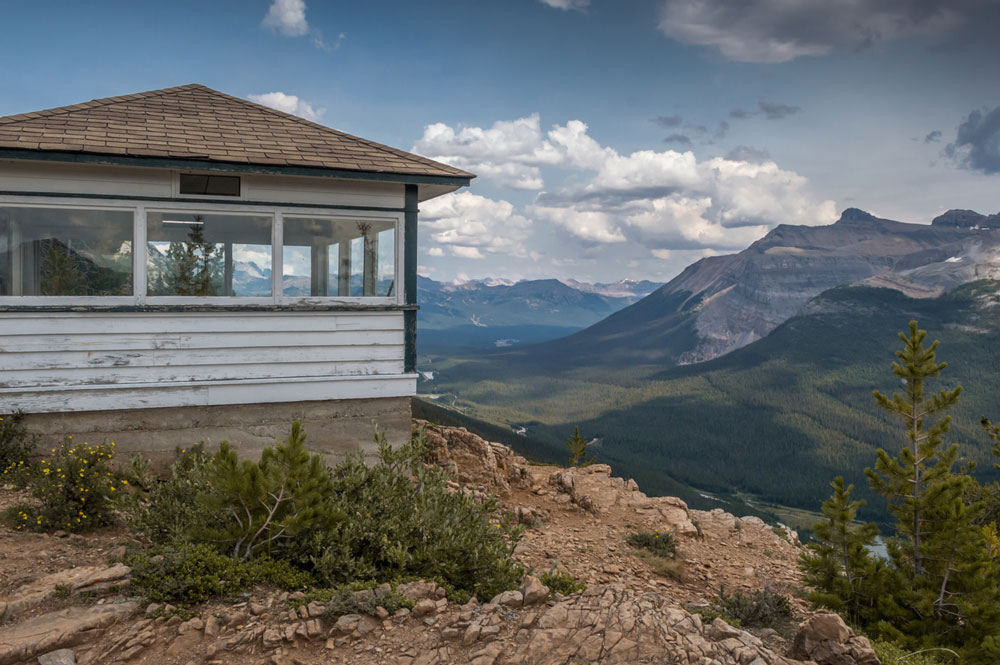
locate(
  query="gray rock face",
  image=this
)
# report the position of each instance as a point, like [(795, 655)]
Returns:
[(722, 303)]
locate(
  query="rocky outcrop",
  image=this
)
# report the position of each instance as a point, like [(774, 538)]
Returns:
[(68, 582), (56, 630), (826, 640), (476, 464), (593, 488)]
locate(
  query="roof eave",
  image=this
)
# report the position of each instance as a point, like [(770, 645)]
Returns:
[(233, 167)]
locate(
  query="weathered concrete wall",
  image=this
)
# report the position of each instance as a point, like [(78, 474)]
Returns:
[(333, 427)]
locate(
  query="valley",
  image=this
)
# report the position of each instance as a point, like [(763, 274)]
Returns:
[(789, 405)]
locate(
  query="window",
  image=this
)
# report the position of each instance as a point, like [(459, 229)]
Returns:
[(210, 185), (208, 254), (343, 258), (65, 252)]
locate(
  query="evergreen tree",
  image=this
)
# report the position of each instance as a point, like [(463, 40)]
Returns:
[(947, 575), (907, 481), (839, 565), (578, 450), (193, 267), (270, 503)]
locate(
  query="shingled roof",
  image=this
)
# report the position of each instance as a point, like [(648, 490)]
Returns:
[(192, 122)]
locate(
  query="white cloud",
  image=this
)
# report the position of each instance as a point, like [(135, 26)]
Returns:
[(287, 17), (465, 252), (775, 31), (435, 251), (469, 225), (568, 4), (591, 226), (661, 207), (289, 104)]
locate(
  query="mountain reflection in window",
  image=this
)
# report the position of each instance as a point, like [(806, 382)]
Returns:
[(338, 258), (205, 254), (65, 252)]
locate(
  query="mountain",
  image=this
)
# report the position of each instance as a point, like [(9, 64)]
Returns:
[(497, 313), (775, 420), (722, 303), (792, 335)]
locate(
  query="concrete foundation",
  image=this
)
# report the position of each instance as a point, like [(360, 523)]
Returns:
[(334, 428)]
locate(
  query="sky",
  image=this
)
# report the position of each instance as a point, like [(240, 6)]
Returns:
[(611, 138)]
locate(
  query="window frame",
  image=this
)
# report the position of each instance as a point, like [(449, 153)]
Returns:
[(277, 298), (395, 298)]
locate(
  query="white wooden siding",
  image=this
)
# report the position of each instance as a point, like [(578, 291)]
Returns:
[(77, 361), (124, 182)]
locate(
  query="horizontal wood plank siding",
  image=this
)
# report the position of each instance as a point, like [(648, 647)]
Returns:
[(99, 360), (125, 182)]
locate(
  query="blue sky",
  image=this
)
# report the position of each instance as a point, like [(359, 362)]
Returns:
[(613, 139)]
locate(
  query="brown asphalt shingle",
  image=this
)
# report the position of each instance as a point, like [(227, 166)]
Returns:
[(195, 122)]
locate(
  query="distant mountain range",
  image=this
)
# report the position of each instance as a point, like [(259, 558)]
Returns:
[(497, 313), (753, 372), (722, 303)]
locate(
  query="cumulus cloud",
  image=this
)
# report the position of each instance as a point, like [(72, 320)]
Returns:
[(287, 17), (977, 146), (568, 4), (289, 104), (933, 137), (648, 198), (509, 152), (772, 31), (470, 226)]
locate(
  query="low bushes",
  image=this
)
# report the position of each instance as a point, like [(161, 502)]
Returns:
[(16, 445), (758, 609), (662, 544), (393, 520), (562, 583), (76, 488), (195, 573)]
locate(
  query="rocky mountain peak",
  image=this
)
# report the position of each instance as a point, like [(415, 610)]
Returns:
[(856, 215), (966, 219)]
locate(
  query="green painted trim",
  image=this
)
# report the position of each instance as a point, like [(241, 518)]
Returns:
[(410, 202), (228, 201), (205, 165)]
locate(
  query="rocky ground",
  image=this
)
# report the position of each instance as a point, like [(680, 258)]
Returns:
[(64, 600)]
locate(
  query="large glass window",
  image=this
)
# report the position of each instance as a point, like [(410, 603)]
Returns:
[(345, 258), (203, 254), (65, 252)]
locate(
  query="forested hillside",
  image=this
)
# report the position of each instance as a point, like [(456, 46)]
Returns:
[(776, 419)]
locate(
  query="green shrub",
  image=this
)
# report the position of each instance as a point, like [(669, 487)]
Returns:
[(195, 573), (759, 609), (168, 511), (266, 506), (76, 487), (709, 614), (562, 583), (16, 447), (662, 544), (392, 521), (404, 522)]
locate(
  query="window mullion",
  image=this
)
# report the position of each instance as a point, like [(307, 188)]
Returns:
[(139, 256), (277, 257)]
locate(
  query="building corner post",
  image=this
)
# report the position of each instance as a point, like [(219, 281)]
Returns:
[(410, 277)]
